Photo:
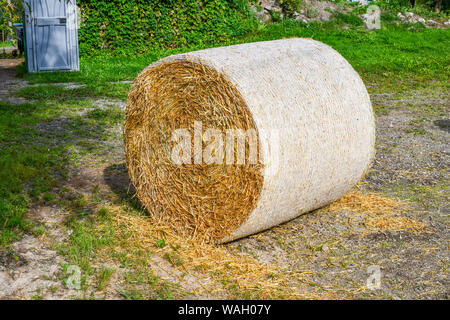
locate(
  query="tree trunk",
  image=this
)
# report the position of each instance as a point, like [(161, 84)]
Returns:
[(413, 2), (437, 5)]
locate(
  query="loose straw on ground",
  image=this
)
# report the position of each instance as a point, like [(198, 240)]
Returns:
[(381, 212)]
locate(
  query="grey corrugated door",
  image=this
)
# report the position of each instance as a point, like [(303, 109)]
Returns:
[(54, 40)]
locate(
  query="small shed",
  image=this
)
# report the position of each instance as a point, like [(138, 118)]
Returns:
[(51, 35)]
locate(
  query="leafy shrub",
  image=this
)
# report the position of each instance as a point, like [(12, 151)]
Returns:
[(423, 6), (312, 12), (290, 6), (134, 26), (349, 19), (276, 16), (388, 17)]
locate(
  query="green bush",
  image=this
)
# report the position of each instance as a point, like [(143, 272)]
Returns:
[(349, 19), (290, 6), (393, 4), (422, 6), (134, 26), (388, 17), (312, 12)]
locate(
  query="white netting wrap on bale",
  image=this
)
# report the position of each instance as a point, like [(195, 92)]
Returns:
[(314, 127)]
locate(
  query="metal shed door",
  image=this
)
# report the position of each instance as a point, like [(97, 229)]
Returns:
[(51, 40)]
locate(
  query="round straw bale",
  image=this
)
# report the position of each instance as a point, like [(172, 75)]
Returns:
[(193, 121)]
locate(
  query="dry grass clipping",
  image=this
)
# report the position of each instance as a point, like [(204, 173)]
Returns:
[(195, 199), (215, 263), (394, 223), (380, 211), (366, 202)]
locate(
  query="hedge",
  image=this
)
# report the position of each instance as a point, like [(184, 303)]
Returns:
[(135, 26)]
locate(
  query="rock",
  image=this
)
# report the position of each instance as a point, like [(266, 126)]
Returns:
[(400, 16), (432, 22), (409, 14), (447, 23), (301, 19), (259, 12), (325, 16), (277, 9), (421, 20), (271, 5), (266, 17)]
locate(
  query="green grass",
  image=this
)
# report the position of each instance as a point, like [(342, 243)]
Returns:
[(86, 239), (85, 242), (30, 166), (62, 94), (394, 56), (104, 276), (429, 197), (39, 142)]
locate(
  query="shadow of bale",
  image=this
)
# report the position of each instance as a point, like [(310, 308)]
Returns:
[(117, 178)]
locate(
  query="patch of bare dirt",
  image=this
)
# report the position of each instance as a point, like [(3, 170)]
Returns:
[(9, 83), (31, 268)]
